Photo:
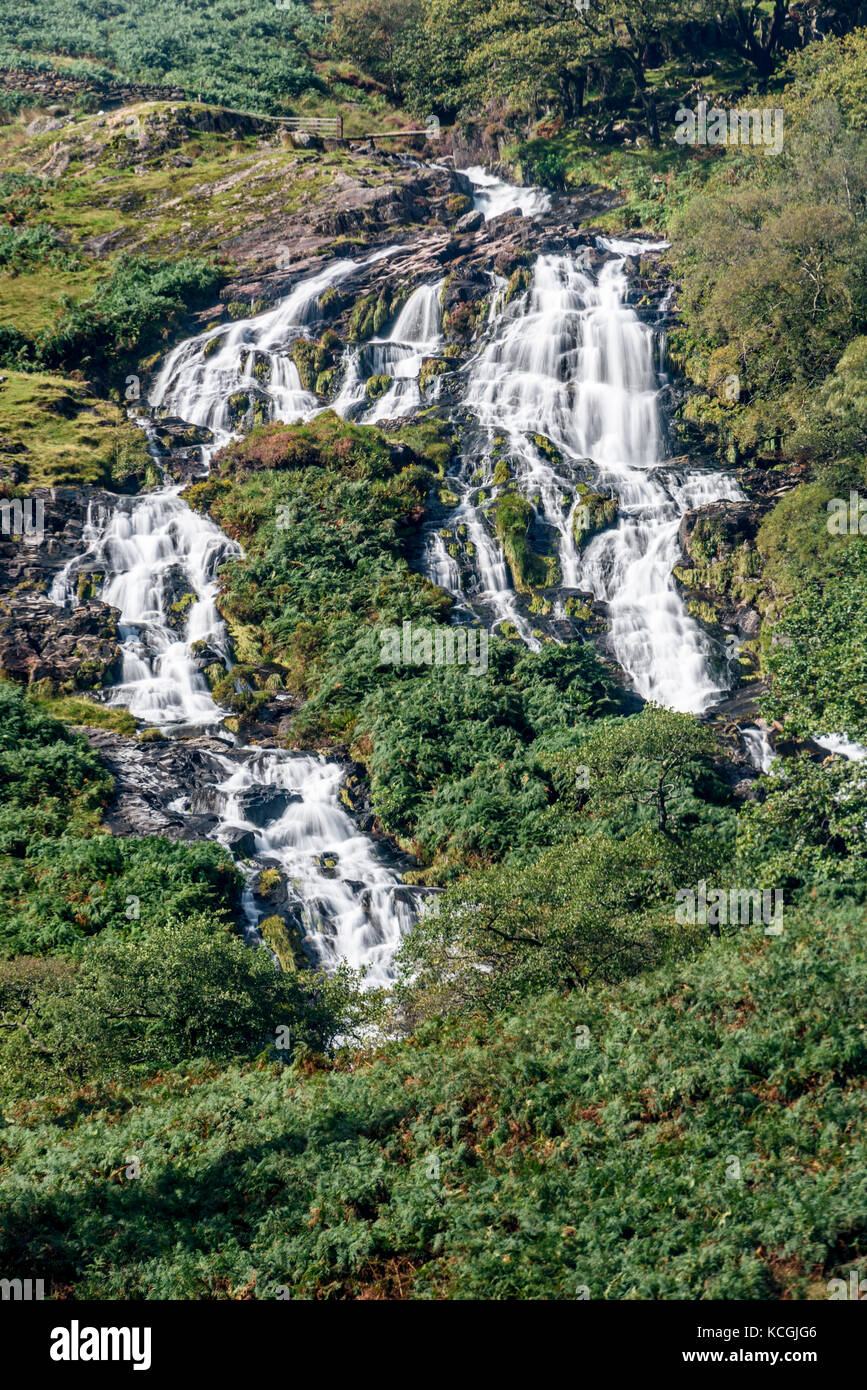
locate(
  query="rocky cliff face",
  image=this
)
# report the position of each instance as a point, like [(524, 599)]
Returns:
[(62, 650)]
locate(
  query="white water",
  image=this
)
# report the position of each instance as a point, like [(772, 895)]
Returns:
[(201, 375), (572, 361), (415, 335), (569, 360), (843, 746), (349, 902), (758, 746), (493, 196)]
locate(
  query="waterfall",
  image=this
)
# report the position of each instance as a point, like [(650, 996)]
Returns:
[(564, 386), (571, 361), (248, 359), (415, 335), (493, 196), (160, 560)]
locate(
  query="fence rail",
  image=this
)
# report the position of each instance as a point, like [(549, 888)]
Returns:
[(316, 125)]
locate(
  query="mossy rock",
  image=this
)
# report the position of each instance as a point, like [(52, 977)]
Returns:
[(310, 360), (268, 882), (284, 941), (577, 608), (431, 367), (152, 736), (457, 204), (519, 281), (594, 513), (239, 406), (325, 382), (502, 473), (512, 517), (213, 345), (87, 586), (377, 386), (547, 448)]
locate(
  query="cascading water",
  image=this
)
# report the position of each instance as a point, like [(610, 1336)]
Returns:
[(160, 560), (398, 358), (566, 377), (493, 196), (571, 361), (203, 375)]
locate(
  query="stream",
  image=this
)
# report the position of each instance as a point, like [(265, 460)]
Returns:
[(567, 359)]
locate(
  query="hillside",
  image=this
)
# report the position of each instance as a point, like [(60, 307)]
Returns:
[(433, 701)]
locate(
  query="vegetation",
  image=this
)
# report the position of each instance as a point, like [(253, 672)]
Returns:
[(571, 1088), (694, 1134)]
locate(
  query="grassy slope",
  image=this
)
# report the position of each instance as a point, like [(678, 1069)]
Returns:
[(499, 1159), (62, 433), (149, 206)]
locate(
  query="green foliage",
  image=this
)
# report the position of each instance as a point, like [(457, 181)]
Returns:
[(37, 244), (584, 912), (818, 656), (137, 308), (185, 989), (61, 882), (264, 51), (455, 755), (799, 226), (66, 888), (809, 831), (578, 1140)]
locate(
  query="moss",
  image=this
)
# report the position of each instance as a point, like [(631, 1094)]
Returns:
[(77, 709), (576, 608), (87, 586), (431, 367), (268, 882), (512, 518), (594, 513), (519, 281), (152, 736), (458, 204), (325, 382), (546, 447), (377, 386), (180, 609), (502, 473), (61, 434)]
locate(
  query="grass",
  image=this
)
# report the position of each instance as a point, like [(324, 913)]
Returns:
[(32, 300), (78, 710), (66, 434)]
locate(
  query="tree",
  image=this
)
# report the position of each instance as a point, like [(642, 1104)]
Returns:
[(582, 913), (648, 768)]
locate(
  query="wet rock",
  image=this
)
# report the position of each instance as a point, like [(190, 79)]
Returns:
[(470, 222), (153, 780), (240, 843), (76, 649), (261, 805)]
